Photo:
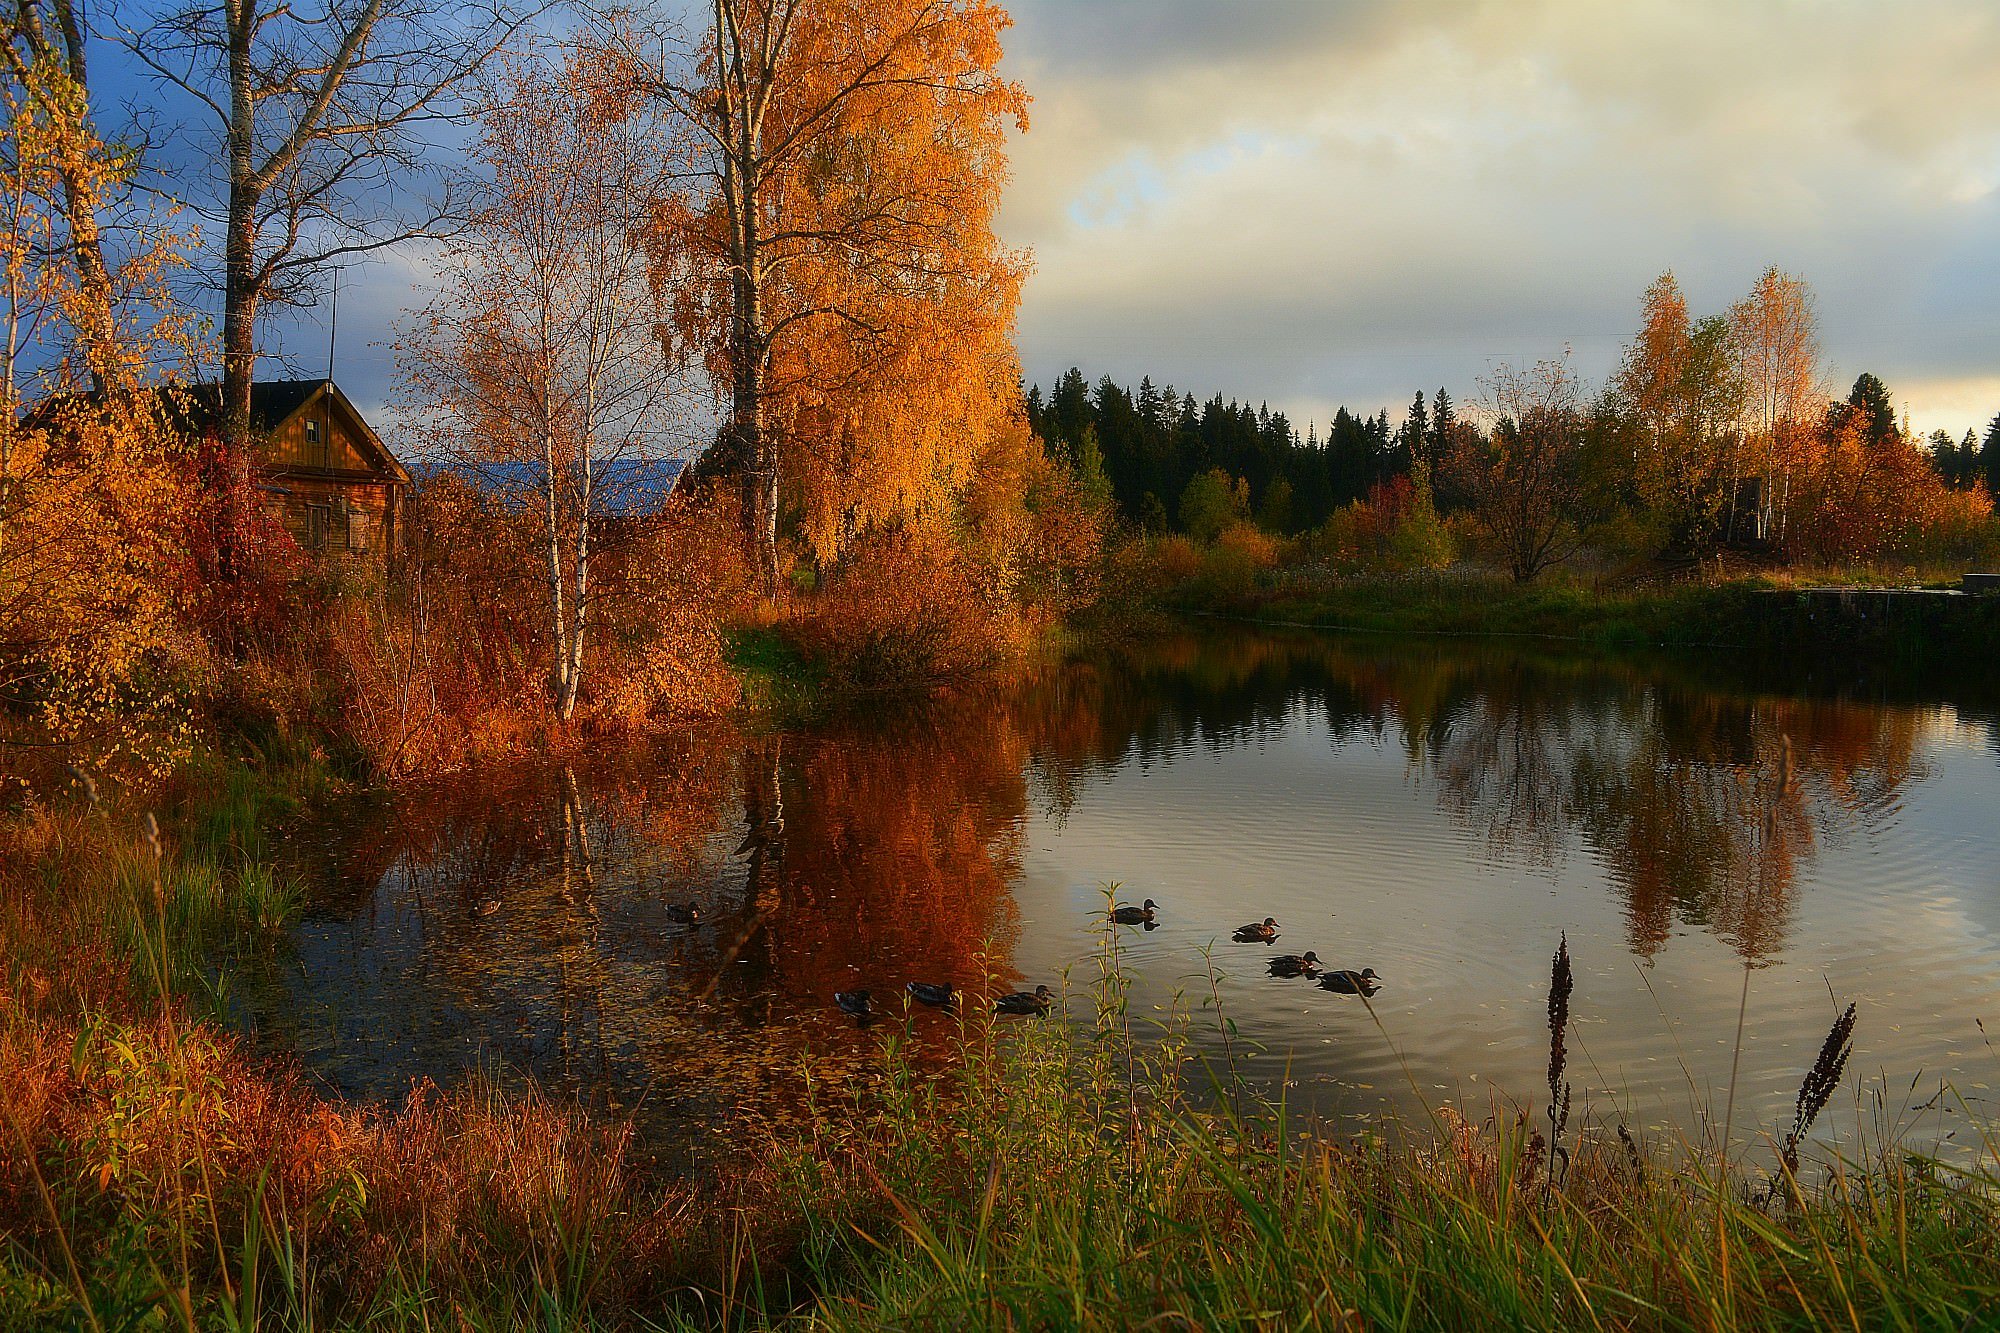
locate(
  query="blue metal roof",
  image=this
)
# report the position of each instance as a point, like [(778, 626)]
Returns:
[(621, 487)]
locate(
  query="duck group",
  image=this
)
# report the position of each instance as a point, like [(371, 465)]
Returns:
[(1342, 981), (1040, 1000)]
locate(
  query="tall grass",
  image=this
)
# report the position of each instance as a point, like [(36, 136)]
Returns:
[(1088, 1171), (1022, 1191)]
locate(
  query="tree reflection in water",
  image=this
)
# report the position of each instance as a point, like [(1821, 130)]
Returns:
[(861, 855), (881, 849), (1704, 804)]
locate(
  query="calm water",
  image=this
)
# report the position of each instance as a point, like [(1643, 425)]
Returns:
[(1438, 812)]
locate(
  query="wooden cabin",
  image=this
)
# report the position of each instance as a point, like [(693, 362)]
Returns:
[(322, 470), (326, 473)]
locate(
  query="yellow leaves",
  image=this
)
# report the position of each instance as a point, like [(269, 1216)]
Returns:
[(92, 505), (885, 304)]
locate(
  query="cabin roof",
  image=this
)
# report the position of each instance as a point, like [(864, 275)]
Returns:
[(197, 407)]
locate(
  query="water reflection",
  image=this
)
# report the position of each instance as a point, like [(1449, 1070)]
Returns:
[(1434, 810), (1702, 804)]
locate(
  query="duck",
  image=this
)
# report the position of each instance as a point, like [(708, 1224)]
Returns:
[(1295, 964), (1036, 1001), (485, 908), (1346, 981), (684, 914), (1135, 916), (856, 1002), (1257, 932), (936, 994)]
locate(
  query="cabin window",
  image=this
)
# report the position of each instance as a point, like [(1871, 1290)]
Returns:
[(316, 451), (319, 525), (357, 529)]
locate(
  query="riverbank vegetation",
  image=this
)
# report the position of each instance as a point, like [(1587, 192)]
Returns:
[(1089, 1173), (1714, 455)]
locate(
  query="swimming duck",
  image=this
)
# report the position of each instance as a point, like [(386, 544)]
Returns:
[(1349, 982), (684, 914), (1135, 916), (1295, 964), (487, 907), (1258, 932), (936, 994), (1025, 1002), (854, 1002)]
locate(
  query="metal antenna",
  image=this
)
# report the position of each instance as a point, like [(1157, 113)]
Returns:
[(332, 324)]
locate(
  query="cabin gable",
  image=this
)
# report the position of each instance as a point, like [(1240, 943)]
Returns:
[(330, 479)]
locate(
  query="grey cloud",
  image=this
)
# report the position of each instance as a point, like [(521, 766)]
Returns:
[(1314, 206)]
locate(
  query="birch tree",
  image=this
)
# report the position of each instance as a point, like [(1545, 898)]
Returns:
[(854, 151), (1776, 332), (543, 361), (45, 57)]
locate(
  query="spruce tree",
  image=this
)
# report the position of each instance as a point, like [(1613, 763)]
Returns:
[(1989, 458), (1442, 420), (1870, 397)]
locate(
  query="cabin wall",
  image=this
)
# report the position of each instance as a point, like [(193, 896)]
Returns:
[(327, 487), (355, 522)]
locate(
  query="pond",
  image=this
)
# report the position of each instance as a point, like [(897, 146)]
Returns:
[(1440, 811)]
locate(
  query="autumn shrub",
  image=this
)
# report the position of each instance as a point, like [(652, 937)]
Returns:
[(1856, 499), (904, 612), (1175, 559), (1396, 528), (1230, 567), (1956, 528), (680, 579), (1030, 527), (95, 659), (450, 661)]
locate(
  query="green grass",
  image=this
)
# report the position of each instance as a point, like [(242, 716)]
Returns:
[(1553, 607), (1761, 617), (1064, 1177), (778, 680)]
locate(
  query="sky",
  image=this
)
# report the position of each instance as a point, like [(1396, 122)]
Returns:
[(1320, 202)]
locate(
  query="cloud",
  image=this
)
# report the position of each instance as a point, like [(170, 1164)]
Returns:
[(1314, 203)]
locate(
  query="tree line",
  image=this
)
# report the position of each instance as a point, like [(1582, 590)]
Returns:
[(1718, 431)]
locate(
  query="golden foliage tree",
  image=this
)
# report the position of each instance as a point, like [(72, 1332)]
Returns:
[(91, 499), (860, 308), (1776, 333), (1680, 381)]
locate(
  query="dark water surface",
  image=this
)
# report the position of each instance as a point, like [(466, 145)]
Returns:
[(1437, 811)]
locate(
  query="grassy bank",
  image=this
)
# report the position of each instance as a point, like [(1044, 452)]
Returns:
[(1084, 1174), (1798, 616)]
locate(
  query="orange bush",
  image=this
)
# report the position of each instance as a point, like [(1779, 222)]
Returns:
[(451, 663), (1855, 499), (1176, 559), (903, 612)]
